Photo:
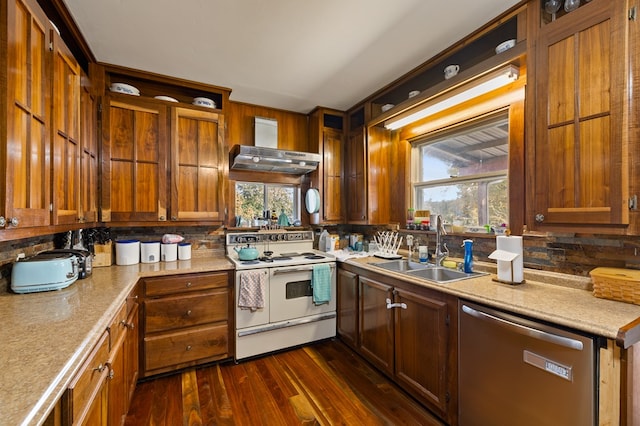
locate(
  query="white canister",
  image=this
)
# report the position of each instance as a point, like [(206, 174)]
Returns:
[(169, 252), (150, 251), (127, 252), (184, 251)]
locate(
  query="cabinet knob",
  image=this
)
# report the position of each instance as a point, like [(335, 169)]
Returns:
[(188, 284), (189, 313), (127, 325), (174, 217), (112, 374), (3, 222), (13, 221), (162, 218), (539, 218), (100, 368), (188, 348)]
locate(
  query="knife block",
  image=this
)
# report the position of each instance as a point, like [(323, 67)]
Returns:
[(103, 254)]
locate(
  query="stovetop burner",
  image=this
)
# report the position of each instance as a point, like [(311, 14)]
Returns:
[(281, 258), (249, 262), (265, 259), (314, 256)]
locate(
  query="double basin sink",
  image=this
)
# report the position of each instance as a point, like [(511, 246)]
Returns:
[(429, 272)]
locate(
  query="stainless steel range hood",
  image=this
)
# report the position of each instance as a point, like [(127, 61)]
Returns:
[(258, 158)]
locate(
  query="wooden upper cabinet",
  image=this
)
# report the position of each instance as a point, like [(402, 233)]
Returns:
[(65, 135), (26, 199), (356, 176), (326, 130), (332, 179), (134, 166), (89, 153), (198, 156), (580, 162)]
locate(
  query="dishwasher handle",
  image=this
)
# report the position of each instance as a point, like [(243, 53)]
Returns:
[(524, 330)]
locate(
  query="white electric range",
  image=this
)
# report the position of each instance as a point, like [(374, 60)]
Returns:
[(285, 315)]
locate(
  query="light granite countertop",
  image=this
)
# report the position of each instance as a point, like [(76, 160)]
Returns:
[(558, 298), (46, 336)]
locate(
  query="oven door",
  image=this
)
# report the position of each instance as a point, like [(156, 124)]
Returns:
[(291, 293), (247, 317)]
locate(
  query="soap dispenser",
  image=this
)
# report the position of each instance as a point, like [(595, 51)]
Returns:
[(468, 256)]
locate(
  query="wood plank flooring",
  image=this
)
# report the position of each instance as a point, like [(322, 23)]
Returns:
[(320, 384)]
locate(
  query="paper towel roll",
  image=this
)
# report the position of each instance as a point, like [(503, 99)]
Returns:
[(511, 244)]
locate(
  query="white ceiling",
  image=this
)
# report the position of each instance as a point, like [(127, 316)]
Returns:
[(288, 54)]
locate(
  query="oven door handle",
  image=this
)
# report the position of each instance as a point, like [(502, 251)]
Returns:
[(305, 269)]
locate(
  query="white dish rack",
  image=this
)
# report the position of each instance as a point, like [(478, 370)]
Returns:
[(388, 243)]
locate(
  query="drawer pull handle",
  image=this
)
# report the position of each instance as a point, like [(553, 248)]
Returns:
[(189, 313), (188, 348), (100, 368)]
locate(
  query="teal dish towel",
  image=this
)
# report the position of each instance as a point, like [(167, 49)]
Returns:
[(321, 283)]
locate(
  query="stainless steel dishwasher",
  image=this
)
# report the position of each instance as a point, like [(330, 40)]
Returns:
[(514, 371)]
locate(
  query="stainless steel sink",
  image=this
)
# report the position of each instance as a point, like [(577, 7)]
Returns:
[(444, 275), (400, 265), (428, 272)]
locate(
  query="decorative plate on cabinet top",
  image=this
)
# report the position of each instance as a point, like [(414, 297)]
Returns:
[(312, 200), (127, 89), (165, 98), (204, 102)]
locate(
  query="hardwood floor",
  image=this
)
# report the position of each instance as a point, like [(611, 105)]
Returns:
[(321, 384)]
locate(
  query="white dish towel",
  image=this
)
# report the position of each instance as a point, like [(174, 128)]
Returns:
[(252, 285)]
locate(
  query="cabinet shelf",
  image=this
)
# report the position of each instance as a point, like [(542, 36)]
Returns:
[(515, 56), (431, 74), (151, 85)]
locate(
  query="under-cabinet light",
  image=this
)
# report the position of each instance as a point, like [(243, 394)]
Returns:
[(475, 88)]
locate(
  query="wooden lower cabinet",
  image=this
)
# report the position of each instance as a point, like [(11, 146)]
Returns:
[(421, 332), (407, 331), (124, 366), (347, 300), (85, 401), (186, 321), (101, 392), (376, 323)]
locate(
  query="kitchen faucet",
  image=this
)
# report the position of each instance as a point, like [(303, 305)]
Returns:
[(441, 251)]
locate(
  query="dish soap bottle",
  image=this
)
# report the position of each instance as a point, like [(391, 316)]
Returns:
[(468, 256)]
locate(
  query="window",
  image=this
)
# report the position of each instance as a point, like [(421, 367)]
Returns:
[(462, 172), (253, 199)]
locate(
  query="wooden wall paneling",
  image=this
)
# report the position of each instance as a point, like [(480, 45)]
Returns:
[(292, 127)]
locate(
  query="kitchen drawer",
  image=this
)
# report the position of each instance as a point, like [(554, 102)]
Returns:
[(185, 346), (174, 312), (184, 283), (86, 385)]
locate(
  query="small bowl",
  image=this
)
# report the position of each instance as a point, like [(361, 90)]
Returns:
[(387, 107), (127, 89), (204, 102), (165, 98), (505, 45), (413, 93)]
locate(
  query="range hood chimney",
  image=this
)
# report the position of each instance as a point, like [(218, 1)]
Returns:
[(265, 156)]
